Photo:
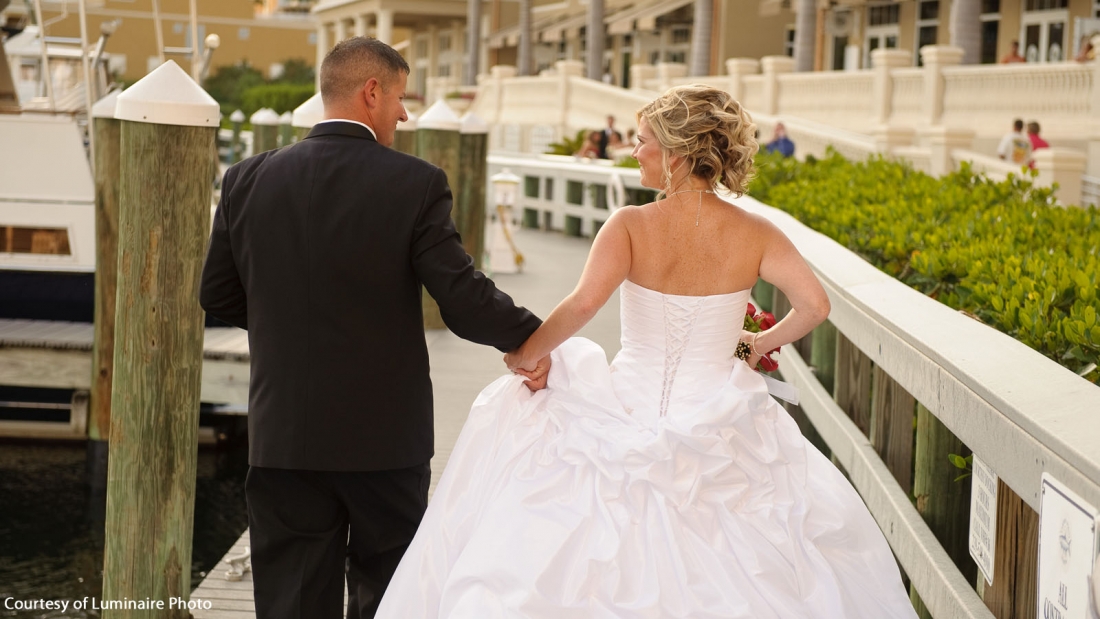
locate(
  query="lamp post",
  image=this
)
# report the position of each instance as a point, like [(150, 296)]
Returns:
[(504, 257)]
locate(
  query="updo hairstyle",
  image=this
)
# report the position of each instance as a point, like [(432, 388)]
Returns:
[(710, 130)]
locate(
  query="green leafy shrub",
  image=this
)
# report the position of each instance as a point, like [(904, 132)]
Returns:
[(1005, 252), (280, 97)]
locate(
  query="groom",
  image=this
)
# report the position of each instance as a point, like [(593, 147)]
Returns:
[(319, 250)]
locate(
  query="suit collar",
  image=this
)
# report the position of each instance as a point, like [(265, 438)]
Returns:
[(348, 129)]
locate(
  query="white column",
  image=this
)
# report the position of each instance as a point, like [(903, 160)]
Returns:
[(323, 45), (943, 141), (883, 61), (1063, 166), (341, 30), (360, 25), (738, 68), (773, 66), (935, 58), (384, 29)]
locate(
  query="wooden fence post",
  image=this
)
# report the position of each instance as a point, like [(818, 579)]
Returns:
[(107, 129), (892, 413), (437, 141), (237, 121), (265, 131), (852, 387), (823, 354), (1015, 568), (943, 502), (168, 128), (405, 138), (780, 306), (469, 211)]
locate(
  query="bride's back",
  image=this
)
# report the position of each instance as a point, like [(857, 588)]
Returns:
[(669, 253)]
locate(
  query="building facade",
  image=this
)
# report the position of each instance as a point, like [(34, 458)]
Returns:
[(263, 35)]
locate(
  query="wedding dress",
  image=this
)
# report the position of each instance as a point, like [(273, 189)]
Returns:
[(668, 484)]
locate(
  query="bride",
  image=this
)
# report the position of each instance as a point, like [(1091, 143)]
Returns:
[(668, 484)]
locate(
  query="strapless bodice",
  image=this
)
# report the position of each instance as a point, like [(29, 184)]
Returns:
[(676, 349)]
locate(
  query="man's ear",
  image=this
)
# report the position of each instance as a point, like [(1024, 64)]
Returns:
[(372, 92)]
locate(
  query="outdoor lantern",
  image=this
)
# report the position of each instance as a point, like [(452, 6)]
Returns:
[(505, 187)]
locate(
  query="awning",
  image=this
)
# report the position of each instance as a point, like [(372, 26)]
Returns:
[(509, 37), (561, 29), (642, 18)]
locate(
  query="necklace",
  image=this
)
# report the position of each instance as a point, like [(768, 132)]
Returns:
[(699, 210)]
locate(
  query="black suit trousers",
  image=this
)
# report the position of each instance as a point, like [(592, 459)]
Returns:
[(308, 527)]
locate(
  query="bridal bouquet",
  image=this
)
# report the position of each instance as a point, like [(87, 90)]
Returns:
[(756, 322)]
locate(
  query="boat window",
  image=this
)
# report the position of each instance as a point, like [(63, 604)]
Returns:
[(19, 240)]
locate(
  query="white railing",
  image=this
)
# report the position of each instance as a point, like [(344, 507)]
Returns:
[(907, 100), (995, 394), (995, 168), (842, 100), (987, 98), (1090, 190), (566, 193), (814, 138), (919, 157), (752, 92)]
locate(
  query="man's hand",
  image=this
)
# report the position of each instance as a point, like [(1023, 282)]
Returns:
[(536, 378)]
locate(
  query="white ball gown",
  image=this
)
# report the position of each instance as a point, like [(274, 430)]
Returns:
[(668, 484)]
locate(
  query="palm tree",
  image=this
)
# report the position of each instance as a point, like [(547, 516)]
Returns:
[(966, 29), (473, 41), (805, 33), (700, 45), (594, 33), (525, 65)]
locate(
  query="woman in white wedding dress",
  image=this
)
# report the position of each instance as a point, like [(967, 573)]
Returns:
[(668, 484)]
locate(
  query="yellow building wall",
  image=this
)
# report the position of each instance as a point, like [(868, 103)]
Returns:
[(267, 41), (744, 33)]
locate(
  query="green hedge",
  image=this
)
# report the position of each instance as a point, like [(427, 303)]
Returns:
[(1005, 252), (277, 96)]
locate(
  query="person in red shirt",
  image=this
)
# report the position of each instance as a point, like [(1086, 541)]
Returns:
[(1036, 141)]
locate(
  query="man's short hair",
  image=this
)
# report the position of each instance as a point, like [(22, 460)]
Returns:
[(1033, 127), (351, 63), (1018, 125)]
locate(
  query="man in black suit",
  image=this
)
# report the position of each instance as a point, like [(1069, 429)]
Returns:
[(609, 137), (319, 250)]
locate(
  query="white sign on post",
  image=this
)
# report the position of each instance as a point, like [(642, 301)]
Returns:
[(1068, 546), (983, 518)]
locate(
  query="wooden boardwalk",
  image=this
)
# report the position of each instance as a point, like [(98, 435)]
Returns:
[(460, 370)]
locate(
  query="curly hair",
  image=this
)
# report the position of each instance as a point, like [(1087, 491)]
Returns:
[(709, 129)]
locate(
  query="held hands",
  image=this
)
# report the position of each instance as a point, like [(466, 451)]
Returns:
[(753, 359), (536, 373)]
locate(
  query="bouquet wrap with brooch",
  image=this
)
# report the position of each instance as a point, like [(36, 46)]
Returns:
[(756, 322)]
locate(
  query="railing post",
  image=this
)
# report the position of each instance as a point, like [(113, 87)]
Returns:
[(668, 71), (892, 413), (107, 130), (166, 156), (1063, 166), (404, 140), (774, 66), (498, 73), (935, 58), (887, 137), (942, 141), (1016, 559), (469, 211), (309, 113), (1094, 130), (852, 385), (640, 74), (738, 68), (437, 142), (265, 130), (943, 503)]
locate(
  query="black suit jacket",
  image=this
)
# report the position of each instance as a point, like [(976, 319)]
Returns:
[(605, 140), (319, 250)]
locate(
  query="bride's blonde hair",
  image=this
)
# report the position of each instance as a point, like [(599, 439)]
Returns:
[(710, 130)]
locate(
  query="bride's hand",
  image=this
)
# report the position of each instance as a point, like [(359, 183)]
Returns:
[(536, 376), (754, 359)]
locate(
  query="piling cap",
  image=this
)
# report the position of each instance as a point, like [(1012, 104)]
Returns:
[(410, 124), (309, 113), (286, 118), (473, 124), (236, 117), (105, 107), (168, 96), (265, 116), (504, 177), (439, 116)]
